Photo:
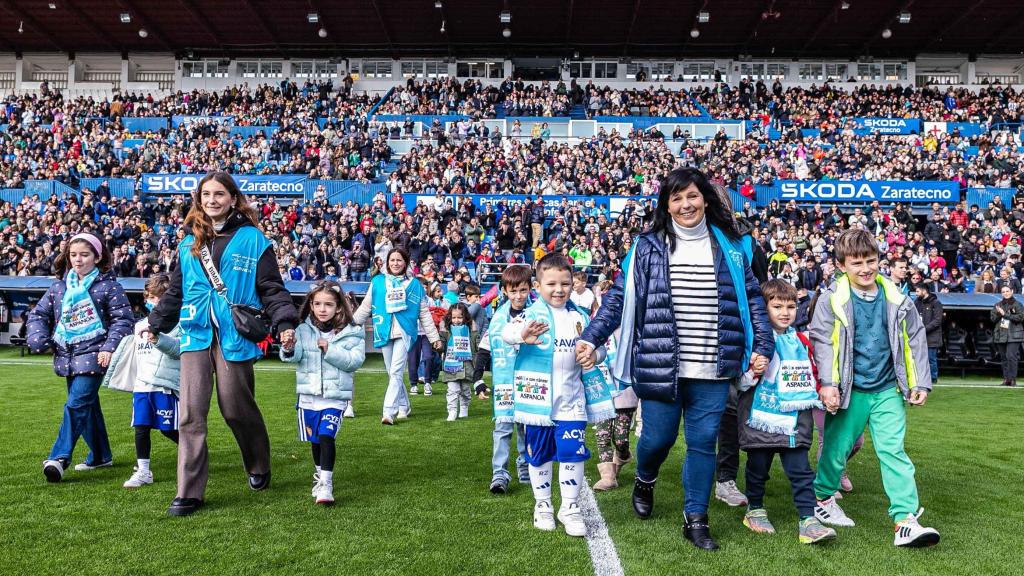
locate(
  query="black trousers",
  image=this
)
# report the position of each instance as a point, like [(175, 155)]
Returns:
[(729, 441), (1010, 352), (797, 467)]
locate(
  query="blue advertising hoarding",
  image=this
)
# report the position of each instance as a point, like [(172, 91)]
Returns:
[(598, 205), (866, 191), (284, 185), (887, 126), (186, 120)]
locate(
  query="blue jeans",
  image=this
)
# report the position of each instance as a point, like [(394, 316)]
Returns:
[(83, 417), (420, 360), (503, 447), (363, 276), (700, 403), (933, 363)]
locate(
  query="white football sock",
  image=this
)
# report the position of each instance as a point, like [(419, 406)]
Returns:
[(570, 479), (540, 479), (143, 464), (327, 477)]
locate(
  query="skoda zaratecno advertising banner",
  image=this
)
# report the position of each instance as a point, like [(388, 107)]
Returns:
[(887, 126), (284, 185), (867, 191)]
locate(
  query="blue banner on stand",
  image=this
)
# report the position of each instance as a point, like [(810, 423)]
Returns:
[(286, 185), (865, 191), (588, 205), (887, 126), (186, 120)]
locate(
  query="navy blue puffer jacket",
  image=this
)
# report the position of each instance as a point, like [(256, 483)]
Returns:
[(656, 341)]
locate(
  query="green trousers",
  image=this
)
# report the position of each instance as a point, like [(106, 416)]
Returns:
[(886, 416)]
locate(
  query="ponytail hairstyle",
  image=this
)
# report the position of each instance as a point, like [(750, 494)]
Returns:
[(104, 260), (201, 224), (341, 319), (716, 211)]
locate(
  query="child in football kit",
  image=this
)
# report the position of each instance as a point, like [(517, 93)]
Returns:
[(328, 350), (458, 337), (774, 415), (155, 395), (553, 396)]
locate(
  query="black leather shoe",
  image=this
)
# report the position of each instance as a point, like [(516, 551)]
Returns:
[(259, 481), (184, 506), (643, 498), (697, 531)]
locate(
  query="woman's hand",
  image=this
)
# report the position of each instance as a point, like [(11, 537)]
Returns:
[(918, 396), (758, 364), (103, 358), (437, 345), (288, 339), (830, 398)]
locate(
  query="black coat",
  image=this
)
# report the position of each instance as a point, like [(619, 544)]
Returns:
[(930, 310)]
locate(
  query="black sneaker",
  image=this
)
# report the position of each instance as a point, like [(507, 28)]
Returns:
[(184, 506), (259, 481), (643, 498), (499, 486)]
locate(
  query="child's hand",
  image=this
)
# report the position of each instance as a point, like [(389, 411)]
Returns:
[(533, 330), (288, 339), (918, 396), (322, 344), (758, 364), (104, 359), (437, 345), (587, 359), (830, 398)]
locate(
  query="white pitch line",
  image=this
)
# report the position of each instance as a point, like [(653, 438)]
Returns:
[(602, 549)]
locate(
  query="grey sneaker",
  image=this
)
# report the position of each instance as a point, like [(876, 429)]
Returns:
[(813, 531), (728, 492), (499, 485)]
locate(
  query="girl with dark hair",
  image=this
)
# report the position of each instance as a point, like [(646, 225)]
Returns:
[(327, 351), (692, 319), (223, 261), (82, 317), (398, 306), (457, 359)]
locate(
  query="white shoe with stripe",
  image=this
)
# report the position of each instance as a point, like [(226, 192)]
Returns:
[(911, 534), (829, 512)]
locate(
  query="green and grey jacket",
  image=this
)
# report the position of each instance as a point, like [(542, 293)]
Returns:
[(831, 331)]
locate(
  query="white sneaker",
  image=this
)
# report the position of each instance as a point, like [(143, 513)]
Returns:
[(139, 479), (53, 470), (316, 483), (464, 412), (572, 520), (911, 534), (350, 412), (83, 467), (324, 493), (414, 389), (829, 512), (451, 415), (428, 390), (403, 413), (728, 492), (543, 516)]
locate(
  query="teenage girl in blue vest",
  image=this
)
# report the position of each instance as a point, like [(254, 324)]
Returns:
[(222, 229), (82, 317), (398, 306)]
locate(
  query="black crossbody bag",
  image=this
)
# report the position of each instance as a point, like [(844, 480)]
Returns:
[(252, 323)]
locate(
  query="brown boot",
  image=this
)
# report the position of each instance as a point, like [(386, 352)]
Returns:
[(608, 479)]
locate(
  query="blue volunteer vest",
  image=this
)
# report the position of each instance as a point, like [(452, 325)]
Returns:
[(408, 319), (238, 271)]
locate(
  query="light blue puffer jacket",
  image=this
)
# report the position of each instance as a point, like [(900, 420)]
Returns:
[(328, 375)]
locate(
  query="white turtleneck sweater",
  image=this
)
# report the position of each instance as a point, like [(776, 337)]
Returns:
[(694, 288)]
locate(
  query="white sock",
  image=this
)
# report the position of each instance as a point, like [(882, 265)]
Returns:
[(540, 479), (318, 470), (327, 477), (143, 464), (570, 479)]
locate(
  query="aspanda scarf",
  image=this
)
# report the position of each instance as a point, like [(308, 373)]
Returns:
[(394, 297), (458, 351), (786, 389), (503, 363), (533, 392), (79, 319)]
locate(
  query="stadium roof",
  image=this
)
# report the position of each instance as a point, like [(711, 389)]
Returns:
[(610, 28)]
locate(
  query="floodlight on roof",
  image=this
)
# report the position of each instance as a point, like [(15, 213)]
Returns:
[(505, 16), (703, 16), (126, 18), (313, 17), (904, 17)]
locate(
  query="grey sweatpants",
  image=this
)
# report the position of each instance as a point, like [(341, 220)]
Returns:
[(236, 398)]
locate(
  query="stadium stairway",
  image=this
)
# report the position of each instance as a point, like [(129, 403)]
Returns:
[(578, 112), (499, 110)]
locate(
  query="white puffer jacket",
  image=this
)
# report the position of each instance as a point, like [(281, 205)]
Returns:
[(158, 364), (326, 375)]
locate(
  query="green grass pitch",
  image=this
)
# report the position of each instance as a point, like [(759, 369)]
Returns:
[(413, 499)]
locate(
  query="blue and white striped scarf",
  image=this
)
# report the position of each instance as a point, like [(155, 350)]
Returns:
[(79, 319)]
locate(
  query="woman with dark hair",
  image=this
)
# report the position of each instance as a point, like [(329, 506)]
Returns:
[(222, 235), (692, 319), (398, 306)]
